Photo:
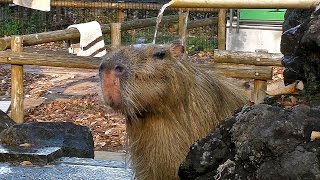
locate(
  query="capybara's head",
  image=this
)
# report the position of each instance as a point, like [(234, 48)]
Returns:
[(138, 79)]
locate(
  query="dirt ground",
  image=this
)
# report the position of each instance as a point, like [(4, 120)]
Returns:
[(66, 94)]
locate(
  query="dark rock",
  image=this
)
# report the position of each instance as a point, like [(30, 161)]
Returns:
[(295, 17), (300, 44), (212, 151), (5, 121), (74, 140), (261, 142)]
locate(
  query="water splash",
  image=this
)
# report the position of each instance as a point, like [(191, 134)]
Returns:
[(159, 18)]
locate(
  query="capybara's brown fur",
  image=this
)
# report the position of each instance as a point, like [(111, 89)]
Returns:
[(169, 104)]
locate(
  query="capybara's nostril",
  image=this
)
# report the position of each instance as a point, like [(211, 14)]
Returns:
[(119, 70)]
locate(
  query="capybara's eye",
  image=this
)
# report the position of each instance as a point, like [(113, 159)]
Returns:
[(159, 55), (119, 69)]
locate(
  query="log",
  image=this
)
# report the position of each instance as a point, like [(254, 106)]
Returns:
[(17, 83), (68, 61), (71, 61), (249, 4), (240, 71), (202, 22), (222, 29), (250, 58), (72, 33)]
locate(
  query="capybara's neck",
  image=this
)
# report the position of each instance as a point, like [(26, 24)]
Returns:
[(157, 147)]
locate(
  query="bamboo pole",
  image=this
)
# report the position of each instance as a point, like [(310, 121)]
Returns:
[(240, 4), (17, 83), (250, 58), (115, 35), (222, 29)]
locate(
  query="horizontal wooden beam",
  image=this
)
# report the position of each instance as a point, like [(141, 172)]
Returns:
[(118, 5), (71, 61), (240, 4), (240, 71), (249, 58), (202, 22)]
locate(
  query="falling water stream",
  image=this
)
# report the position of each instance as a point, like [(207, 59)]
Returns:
[(159, 18)]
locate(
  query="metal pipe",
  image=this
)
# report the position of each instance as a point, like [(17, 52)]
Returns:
[(239, 4)]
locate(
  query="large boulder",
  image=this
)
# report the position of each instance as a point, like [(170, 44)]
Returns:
[(300, 45), (74, 140), (5, 121), (260, 142)]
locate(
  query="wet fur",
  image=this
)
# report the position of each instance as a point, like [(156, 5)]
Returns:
[(169, 104)]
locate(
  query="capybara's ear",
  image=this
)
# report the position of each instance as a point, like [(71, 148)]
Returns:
[(177, 49)]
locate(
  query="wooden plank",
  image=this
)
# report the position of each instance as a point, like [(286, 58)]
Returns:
[(250, 58), (17, 83)]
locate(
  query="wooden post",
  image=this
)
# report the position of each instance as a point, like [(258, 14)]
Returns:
[(17, 83), (259, 86), (115, 35), (259, 92), (222, 29), (183, 16), (120, 15)]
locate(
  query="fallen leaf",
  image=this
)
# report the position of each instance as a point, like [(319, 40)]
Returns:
[(26, 145), (26, 163)]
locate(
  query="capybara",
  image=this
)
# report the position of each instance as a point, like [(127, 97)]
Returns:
[(169, 103)]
